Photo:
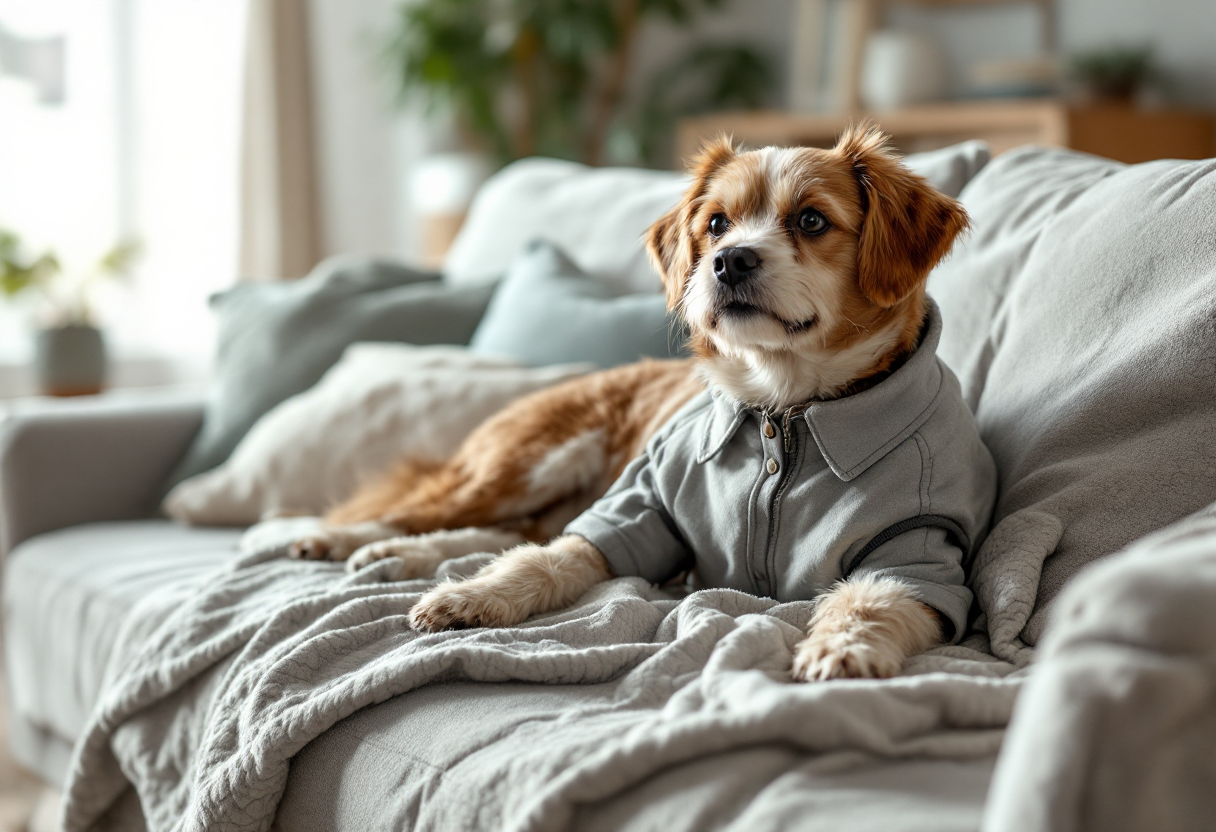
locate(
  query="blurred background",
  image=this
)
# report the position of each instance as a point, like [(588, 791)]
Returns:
[(154, 151)]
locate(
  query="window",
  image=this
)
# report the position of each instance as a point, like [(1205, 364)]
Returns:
[(144, 142)]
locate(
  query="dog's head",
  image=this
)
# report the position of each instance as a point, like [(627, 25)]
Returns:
[(801, 271)]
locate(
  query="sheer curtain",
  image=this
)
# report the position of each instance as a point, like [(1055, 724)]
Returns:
[(280, 221)]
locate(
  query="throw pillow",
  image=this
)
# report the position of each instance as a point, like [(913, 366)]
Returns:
[(278, 339), (1079, 319), (548, 311), (378, 404)]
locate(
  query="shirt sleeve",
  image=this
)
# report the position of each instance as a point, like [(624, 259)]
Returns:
[(632, 527), (931, 564)]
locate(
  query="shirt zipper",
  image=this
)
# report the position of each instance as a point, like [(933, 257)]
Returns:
[(789, 443)]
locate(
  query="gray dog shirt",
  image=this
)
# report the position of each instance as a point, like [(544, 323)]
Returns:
[(892, 481)]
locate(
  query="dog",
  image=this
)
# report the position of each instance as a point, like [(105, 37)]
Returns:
[(832, 459)]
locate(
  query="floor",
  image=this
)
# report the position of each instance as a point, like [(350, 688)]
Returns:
[(20, 792)]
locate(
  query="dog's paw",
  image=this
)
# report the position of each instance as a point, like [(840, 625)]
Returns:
[(313, 547), (419, 559), (845, 655), (339, 542), (472, 603)]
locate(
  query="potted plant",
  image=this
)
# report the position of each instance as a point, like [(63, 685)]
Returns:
[(69, 350), (553, 78), (1114, 74)]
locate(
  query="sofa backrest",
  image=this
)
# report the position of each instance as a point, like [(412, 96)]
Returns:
[(598, 215), (1080, 317)]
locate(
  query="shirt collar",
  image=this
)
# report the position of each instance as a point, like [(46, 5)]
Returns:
[(854, 432)]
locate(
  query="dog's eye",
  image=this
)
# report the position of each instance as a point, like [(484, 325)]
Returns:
[(718, 224), (811, 221)]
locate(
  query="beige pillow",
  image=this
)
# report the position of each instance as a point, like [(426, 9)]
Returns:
[(378, 404)]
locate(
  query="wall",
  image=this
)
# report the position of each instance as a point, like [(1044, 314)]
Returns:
[(367, 146)]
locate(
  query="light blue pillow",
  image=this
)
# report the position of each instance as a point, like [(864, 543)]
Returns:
[(548, 311)]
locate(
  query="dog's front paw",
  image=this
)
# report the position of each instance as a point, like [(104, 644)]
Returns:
[(845, 655), (476, 602), (418, 558)]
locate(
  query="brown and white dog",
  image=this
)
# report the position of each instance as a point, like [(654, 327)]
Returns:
[(848, 237)]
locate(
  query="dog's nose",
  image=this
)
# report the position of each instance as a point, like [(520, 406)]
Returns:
[(734, 265)]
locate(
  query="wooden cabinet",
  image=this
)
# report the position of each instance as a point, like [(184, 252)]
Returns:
[(1118, 132)]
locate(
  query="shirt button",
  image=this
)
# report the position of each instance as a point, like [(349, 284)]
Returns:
[(768, 430), (772, 466)]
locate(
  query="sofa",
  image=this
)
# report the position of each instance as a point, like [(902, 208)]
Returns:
[(147, 659)]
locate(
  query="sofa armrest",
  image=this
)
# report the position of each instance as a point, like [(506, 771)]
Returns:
[(75, 461)]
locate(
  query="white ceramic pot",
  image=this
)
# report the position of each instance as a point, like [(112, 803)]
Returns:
[(901, 69)]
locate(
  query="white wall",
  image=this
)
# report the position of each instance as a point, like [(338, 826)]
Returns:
[(1183, 33), (365, 144)]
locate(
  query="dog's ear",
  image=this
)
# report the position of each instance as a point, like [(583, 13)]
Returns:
[(669, 241), (908, 226)]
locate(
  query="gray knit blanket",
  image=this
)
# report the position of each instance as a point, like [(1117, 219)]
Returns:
[(209, 696)]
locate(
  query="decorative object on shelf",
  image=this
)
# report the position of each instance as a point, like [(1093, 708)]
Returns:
[(834, 69), (1114, 73), (69, 350), (900, 69), (525, 78)]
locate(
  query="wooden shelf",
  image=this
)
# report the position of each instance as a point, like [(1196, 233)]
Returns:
[(1118, 132)]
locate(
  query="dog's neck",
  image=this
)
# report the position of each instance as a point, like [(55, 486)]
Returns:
[(774, 380)]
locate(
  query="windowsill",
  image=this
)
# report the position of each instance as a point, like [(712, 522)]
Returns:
[(125, 372)]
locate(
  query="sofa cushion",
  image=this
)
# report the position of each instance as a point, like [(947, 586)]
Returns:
[(1081, 320), (598, 215), (69, 596), (380, 403), (278, 339), (405, 747), (580, 319)]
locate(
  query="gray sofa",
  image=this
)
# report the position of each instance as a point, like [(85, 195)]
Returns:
[(1079, 318)]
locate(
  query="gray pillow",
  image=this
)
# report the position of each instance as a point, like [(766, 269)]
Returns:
[(278, 339), (1079, 319), (548, 311)]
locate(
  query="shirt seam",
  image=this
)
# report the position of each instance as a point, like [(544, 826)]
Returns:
[(916, 422), (926, 478)]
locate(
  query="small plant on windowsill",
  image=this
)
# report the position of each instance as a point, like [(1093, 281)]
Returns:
[(69, 350)]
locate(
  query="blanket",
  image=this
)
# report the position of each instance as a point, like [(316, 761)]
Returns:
[(1115, 728), (202, 715)]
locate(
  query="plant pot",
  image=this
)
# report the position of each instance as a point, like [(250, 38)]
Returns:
[(70, 360)]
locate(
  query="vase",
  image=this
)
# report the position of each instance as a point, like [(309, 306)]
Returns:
[(70, 360), (901, 69)]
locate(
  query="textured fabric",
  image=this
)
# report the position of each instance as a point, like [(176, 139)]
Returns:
[(1115, 729), (278, 339), (380, 404), (1079, 318), (598, 215), (784, 516), (206, 714), (65, 462), (68, 593), (548, 311), (401, 748)]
